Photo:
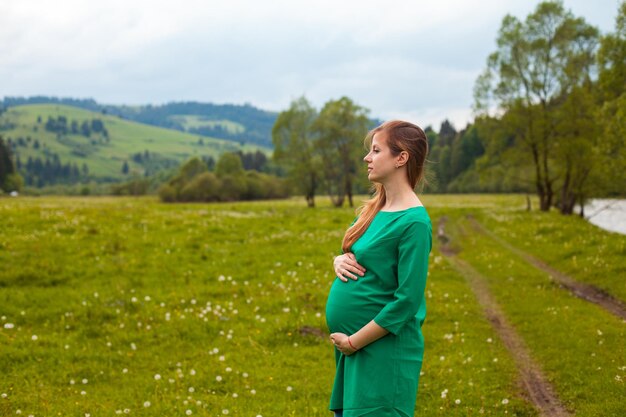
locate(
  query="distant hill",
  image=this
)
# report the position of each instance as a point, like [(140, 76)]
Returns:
[(239, 123), (75, 144)]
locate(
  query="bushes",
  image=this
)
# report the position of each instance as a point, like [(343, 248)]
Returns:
[(230, 183), (202, 187), (136, 186)]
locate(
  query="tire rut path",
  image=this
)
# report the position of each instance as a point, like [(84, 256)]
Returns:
[(581, 290), (534, 384)]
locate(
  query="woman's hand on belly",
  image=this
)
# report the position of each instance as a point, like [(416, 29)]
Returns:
[(346, 265)]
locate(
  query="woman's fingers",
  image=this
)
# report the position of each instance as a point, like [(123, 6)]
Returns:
[(343, 272), (347, 267), (355, 267), (352, 261), (341, 277)]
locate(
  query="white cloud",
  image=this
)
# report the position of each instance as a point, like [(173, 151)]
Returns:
[(414, 58)]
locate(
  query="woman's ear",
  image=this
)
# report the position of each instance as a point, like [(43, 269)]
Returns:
[(403, 158)]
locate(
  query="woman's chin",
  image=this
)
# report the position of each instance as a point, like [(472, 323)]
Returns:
[(372, 177)]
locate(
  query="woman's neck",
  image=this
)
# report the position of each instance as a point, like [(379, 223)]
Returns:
[(399, 195)]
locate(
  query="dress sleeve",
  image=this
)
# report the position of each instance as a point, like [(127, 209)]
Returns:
[(413, 251)]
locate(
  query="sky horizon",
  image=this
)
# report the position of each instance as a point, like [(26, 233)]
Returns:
[(412, 60)]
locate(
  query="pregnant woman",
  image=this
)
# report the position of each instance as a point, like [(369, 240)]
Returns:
[(376, 307)]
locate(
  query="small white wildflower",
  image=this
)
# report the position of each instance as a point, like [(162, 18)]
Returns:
[(457, 401), (505, 401), (157, 377), (146, 404)]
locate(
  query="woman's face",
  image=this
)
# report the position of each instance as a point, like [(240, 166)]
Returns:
[(380, 162)]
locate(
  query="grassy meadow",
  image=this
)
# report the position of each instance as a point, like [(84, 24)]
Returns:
[(114, 306)]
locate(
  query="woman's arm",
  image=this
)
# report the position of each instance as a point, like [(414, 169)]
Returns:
[(369, 333)]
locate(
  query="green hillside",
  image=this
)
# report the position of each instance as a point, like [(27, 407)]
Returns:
[(98, 145), (238, 123)]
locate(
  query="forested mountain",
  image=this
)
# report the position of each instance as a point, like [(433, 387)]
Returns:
[(240, 123), (57, 144)]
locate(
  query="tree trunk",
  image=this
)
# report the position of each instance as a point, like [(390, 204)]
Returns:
[(581, 201), (541, 192), (566, 192), (348, 190), (310, 195)]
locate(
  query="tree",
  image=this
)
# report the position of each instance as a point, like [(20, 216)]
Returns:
[(229, 164), (125, 168), (341, 127), (537, 64), (6, 163), (612, 110), (447, 133), (294, 147)]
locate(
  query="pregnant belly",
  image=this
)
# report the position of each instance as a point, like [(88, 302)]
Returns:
[(351, 305)]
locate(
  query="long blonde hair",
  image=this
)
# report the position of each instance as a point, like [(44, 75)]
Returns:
[(401, 136)]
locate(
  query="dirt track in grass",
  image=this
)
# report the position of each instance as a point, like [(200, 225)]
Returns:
[(533, 383), (585, 291)]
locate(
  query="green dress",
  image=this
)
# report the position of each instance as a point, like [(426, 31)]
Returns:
[(381, 379)]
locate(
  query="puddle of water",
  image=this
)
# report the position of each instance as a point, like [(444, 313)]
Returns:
[(609, 214)]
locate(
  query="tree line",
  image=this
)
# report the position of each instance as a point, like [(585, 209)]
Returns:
[(40, 172), (61, 126), (551, 106), (228, 180)]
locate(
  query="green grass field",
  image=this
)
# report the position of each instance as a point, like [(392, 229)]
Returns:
[(130, 306), (106, 159)]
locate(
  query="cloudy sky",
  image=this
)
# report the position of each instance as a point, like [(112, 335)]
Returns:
[(401, 59)]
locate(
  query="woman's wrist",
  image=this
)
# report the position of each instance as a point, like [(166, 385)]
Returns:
[(351, 345)]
